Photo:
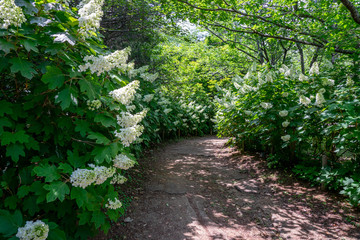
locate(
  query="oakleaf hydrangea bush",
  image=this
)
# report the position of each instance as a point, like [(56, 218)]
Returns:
[(66, 121), (295, 117), (167, 116)]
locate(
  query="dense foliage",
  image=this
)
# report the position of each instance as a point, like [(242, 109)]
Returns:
[(69, 115), (75, 114), (62, 146), (296, 117)]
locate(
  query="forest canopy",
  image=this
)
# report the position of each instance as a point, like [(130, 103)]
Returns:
[(87, 86)]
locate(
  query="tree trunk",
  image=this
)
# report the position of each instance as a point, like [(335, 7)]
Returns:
[(314, 58), (260, 52), (324, 163), (301, 57)]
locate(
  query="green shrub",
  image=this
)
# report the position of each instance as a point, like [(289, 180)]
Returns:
[(63, 147), (294, 117)]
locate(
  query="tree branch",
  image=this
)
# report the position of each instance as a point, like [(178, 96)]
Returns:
[(218, 36), (233, 10), (338, 50), (352, 9)]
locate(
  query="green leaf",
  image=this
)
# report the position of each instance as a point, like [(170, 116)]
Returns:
[(22, 66), (15, 151), (23, 191), (84, 217), (112, 214), (53, 6), (80, 195), (50, 172), (4, 63), (6, 46), (64, 37), (57, 190), (29, 45), (65, 98), (74, 159), (19, 136), (98, 218), (91, 90), (106, 227), (32, 144), (28, 6), (40, 21), (66, 168), (54, 77), (6, 108), (4, 122), (31, 205), (9, 224), (56, 234), (18, 219), (11, 202), (100, 139), (82, 126), (102, 153), (106, 120)]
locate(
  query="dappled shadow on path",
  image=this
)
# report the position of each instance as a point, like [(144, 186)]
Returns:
[(200, 189)]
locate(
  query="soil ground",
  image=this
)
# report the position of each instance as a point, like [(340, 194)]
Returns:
[(200, 189)]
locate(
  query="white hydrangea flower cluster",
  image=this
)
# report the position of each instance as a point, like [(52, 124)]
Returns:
[(123, 162), (91, 13), (130, 108), (302, 77), (102, 173), (328, 82), (118, 179), (304, 100), (37, 230), (82, 178), (314, 69), (266, 105), (246, 88), (148, 98), (113, 204), (10, 14), (125, 94), (283, 113), (237, 78), (129, 135), (320, 100), (128, 120), (85, 177), (93, 105), (134, 72), (236, 85), (285, 124), (268, 77), (106, 63), (285, 70), (167, 110), (285, 138), (247, 112), (149, 77), (349, 81)]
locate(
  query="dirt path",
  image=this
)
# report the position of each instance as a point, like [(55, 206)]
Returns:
[(200, 189)]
